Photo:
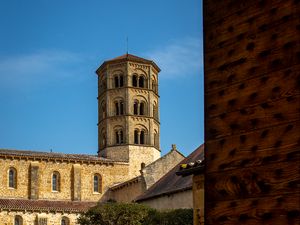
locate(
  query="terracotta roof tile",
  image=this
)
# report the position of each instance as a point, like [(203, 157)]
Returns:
[(170, 182), (53, 155), (45, 206), (129, 57)]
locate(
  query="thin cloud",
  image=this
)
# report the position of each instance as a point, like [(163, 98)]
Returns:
[(21, 71), (179, 58)]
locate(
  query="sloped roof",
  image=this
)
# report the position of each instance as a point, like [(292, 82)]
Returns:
[(53, 156), (45, 206), (170, 182), (129, 57)]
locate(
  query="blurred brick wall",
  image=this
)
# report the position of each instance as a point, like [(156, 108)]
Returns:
[(252, 104)]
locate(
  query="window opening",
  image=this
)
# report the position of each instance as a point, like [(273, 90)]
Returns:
[(121, 81), (12, 178), (141, 81), (136, 137), (142, 137), (55, 181), (134, 81)]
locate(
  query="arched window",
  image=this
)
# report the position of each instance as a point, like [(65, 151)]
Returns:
[(55, 181), (142, 107), (117, 108), (97, 183), (141, 81), (121, 81), (121, 104), (143, 165), (134, 81), (135, 107), (136, 136), (12, 178), (18, 220), (116, 81), (139, 108), (119, 136), (65, 221), (142, 137)]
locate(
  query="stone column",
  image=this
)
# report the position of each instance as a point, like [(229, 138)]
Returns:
[(34, 180)]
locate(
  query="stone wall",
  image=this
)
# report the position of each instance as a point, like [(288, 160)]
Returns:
[(156, 170), (177, 200), (128, 191), (76, 180), (198, 199), (31, 218), (22, 168), (150, 174)]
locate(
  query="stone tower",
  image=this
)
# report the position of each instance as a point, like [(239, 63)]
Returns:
[(128, 103)]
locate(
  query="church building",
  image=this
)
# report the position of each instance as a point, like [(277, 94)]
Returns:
[(47, 188)]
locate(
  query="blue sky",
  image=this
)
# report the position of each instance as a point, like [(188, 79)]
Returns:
[(49, 51)]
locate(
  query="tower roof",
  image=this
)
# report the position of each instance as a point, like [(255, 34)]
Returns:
[(128, 57)]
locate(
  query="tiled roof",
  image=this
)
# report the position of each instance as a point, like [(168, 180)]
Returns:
[(45, 206), (54, 156), (171, 183), (129, 57)]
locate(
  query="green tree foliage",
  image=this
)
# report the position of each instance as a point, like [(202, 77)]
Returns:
[(115, 214), (172, 217), (134, 214)]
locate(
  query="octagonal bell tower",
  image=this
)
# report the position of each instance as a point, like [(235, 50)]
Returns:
[(128, 115)]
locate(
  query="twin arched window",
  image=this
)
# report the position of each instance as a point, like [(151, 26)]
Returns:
[(97, 183), (138, 108), (138, 81), (18, 220), (12, 178), (119, 107), (55, 181), (139, 137), (119, 136), (119, 80)]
